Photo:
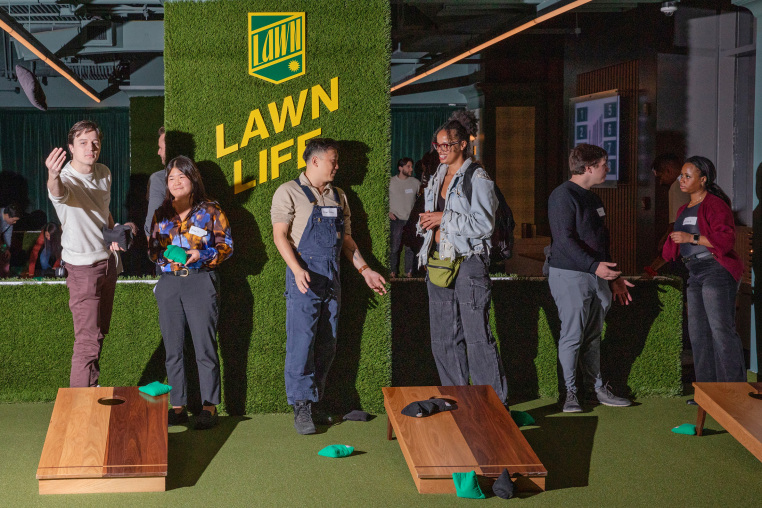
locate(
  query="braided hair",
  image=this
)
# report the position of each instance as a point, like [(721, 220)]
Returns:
[(706, 169)]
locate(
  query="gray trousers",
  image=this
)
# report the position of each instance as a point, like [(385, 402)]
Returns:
[(461, 339), (191, 300), (583, 301)]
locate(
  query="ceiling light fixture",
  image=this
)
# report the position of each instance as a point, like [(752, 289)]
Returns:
[(567, 6), (19, 33)]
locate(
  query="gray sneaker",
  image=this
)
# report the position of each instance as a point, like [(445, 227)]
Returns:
[(605, 397), (303, 417), (572, 404)]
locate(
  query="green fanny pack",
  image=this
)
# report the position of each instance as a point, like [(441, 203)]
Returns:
[(442, 272)]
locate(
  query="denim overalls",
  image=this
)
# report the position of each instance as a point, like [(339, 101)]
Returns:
[(312, 318)]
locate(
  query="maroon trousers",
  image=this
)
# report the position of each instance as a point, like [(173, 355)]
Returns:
[(91, 300)]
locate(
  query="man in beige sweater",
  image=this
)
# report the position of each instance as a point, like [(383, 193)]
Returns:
[(81, 193)]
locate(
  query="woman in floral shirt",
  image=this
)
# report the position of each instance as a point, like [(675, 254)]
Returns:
[(190, 237)]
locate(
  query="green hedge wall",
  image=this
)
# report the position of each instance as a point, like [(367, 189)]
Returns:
[(640, 351), (207, 84), (146, 116)]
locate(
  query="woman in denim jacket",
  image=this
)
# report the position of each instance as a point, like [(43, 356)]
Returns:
[(461, 340)]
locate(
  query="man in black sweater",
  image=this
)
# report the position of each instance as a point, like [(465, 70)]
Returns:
[(582, 277)]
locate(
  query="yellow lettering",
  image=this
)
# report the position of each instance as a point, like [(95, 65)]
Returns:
[(255, 117), (281, 41), (255, 51), (301, 143), (276, 159), (221, 149), (319, 95), (267, 49), (298, 34), (238, 185), (263, 166), (279, 119)]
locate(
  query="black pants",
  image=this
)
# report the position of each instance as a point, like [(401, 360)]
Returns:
[(191, 300)]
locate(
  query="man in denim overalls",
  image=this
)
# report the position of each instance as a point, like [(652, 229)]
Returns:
[(311, 227)]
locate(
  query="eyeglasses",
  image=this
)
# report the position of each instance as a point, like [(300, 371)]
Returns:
[(445, 147)]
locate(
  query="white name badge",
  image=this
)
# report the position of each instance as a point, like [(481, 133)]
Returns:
[(197, 231), (329, 212), (409, 191), (601, 212), (689, 221)]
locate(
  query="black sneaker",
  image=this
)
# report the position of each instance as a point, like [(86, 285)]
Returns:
[(206, 420), (177, 418), (571, 405), (303, 417), (605, 397)]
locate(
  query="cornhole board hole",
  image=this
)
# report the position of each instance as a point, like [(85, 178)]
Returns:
[(105, 440), (735, 406), (479, 435)]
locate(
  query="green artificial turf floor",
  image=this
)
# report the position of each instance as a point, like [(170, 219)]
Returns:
[(599, 458)]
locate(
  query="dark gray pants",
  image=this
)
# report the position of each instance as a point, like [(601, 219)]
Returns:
[(191, 300), (396, 227), (583, 301), (461, 339)]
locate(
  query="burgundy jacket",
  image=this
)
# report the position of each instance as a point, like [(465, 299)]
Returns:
[(715, 222)]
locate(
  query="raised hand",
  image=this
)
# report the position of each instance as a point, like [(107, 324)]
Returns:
[(55, 162)]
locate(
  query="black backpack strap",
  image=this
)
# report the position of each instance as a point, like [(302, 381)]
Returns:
[(307, 191), (336, 195), (467, 176)]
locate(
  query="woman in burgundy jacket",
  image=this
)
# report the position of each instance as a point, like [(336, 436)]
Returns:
[(704, 236)]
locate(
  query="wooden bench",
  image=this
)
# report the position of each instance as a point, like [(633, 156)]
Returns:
[(105, 440), (735, 406), (479, 435)]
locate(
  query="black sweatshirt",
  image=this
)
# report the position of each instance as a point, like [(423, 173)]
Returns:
[(580, 239)]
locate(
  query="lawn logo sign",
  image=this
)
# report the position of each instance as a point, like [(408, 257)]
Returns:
[(276, 45)]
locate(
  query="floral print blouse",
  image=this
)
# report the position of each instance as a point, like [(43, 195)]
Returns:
[(205, 228)]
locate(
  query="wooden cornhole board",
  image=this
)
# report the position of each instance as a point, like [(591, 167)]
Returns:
[(92, 447), (735, 406), (479, 435)]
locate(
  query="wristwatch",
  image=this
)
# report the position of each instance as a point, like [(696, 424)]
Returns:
[(695, 239)]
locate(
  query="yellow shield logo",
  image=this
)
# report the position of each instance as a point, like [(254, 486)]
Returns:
[(276, 45)]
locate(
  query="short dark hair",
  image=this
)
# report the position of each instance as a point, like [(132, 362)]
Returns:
[(318, 145), (403, 161), (81, 127), (584, 155), (161, 131), (661, 161), (12, 211)]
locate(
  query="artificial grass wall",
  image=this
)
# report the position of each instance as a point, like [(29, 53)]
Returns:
[(212, 102), (146, 116), (640, 350)]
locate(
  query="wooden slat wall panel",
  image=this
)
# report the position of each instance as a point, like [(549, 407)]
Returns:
[(621, 202)]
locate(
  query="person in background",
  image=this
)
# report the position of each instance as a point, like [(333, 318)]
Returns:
[(9, 216), (157, 185), (582, 277), (666, 170), (704, 237), (311, 228), (188, 290), (403, 190), (46, 253)]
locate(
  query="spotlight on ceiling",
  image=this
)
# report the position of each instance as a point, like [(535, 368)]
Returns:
[(668, 8)]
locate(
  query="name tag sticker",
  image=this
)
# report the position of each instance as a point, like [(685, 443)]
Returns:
[(689, 221), (197, 231), (601, 212), (409, 191), (329, 212)]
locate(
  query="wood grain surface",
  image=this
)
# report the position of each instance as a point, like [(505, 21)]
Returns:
[(733, 407), (88, 441), (479, 435)]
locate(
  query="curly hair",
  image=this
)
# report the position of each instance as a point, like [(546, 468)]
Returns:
[(461, 126)]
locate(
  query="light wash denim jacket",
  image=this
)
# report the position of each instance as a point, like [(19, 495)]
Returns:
[(465, 230)]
